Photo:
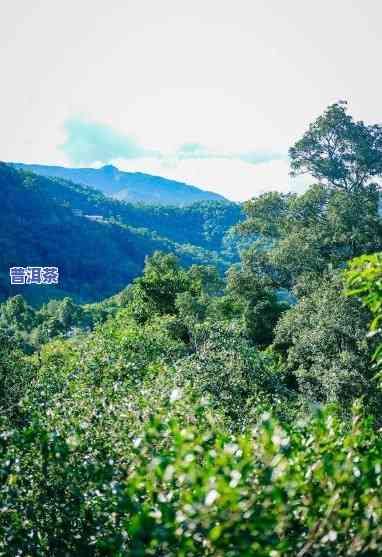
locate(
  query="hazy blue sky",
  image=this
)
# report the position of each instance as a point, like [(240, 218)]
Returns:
[(211, 92)]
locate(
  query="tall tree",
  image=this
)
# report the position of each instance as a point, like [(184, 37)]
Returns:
[(338, 151)]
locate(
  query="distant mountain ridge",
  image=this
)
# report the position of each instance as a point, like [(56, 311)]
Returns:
[(134, 187)]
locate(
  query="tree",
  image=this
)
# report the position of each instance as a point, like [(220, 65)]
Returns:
[(15, 311), (363, 279), (16, 376), (156, 290), (338, 151), (205, 279), (240, 380), (323, 340), (257, 303), (310, 232)]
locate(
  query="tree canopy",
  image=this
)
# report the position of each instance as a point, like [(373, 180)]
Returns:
[(338, 151)]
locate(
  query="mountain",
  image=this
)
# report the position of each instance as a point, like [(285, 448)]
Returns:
[(203, 224), (134, 187), (99, 244)]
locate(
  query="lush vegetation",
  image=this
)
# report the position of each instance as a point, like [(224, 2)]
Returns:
[(50, 222), (202, 224), (196, 415)]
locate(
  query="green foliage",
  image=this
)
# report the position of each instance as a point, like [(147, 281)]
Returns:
[(275, 492), (239, 380), (311, 232), (162, 280), (16, 375), (29, 328), (257, 302), (189, 489), (343, 153), (167, 288), (364, 281), (136, 441), (45, 221), (324, 342)]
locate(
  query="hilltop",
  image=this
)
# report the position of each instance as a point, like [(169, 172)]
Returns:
[(135, 187)]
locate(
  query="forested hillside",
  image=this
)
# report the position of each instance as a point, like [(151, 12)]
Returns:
[(52, 222), (134, 187), (195, 414), (203, 224)]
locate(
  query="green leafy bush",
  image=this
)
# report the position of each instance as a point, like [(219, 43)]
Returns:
[(190, 489)]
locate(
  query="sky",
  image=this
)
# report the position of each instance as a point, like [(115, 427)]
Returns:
[(209, 92)]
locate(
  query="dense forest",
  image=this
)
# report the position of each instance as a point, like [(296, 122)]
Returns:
[(196, 412), (97, 243)]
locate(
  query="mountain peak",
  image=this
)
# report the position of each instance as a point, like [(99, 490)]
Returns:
[(109, 169), (134, 187)]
